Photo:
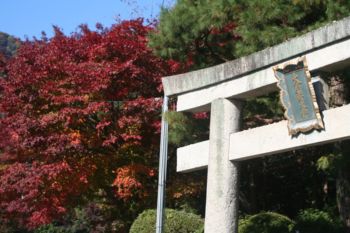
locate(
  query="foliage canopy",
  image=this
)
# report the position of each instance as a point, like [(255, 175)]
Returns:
[(204, 32), (82, 113)]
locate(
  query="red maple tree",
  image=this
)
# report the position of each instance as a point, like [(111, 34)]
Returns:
[(77, 107)]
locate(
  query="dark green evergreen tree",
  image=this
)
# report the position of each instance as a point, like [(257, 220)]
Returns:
[(210, 32), (200, 32)]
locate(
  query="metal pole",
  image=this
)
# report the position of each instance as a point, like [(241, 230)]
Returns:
[(163, 156)]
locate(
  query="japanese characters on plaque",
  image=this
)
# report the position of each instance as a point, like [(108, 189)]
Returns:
[(298, 96)]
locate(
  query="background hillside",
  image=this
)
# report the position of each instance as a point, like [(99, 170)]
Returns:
[(8, 44)]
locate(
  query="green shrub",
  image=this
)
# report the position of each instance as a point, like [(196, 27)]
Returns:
[(51, 228), (175, 222), (317, 221), (266, 222), (200, 230)]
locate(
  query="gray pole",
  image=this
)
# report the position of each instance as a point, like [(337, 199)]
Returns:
[(163, 156)]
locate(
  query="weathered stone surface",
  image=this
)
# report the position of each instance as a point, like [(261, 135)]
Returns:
[(192, 157), (272, 139), (340, 30), (262, 81), (221, 213)]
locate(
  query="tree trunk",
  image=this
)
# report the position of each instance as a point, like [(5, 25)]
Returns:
[(253, 168), (343, 196), (339, 92)]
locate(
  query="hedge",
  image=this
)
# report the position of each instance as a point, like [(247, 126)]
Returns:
[(266, 222), (175, 222), (317, 221)]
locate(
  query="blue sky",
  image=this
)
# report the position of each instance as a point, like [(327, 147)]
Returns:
[(28, 18)]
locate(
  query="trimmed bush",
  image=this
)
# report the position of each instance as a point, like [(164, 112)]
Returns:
[(317, 221), (175, 222), (200, 230), (266, 222)]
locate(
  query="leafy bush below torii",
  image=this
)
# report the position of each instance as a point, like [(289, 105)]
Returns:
[(174, 222), (266, 222)]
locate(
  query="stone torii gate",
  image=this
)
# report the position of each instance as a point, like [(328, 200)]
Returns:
[(221, 90)]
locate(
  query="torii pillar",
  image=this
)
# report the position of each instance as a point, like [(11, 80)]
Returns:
[(221, 214)]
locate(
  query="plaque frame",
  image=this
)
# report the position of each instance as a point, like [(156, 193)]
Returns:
[(293, 126)]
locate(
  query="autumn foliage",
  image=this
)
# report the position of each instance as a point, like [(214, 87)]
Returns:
[(78, 107), (129, 181)]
